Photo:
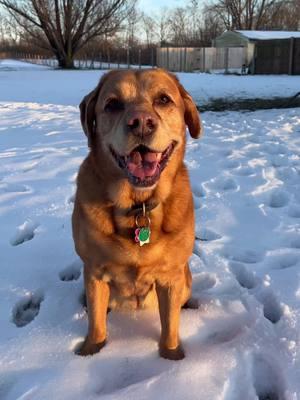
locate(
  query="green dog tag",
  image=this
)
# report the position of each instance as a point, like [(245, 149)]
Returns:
[(142, 235)]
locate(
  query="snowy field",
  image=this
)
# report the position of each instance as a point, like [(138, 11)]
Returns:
[(243, 341), (69, 87)]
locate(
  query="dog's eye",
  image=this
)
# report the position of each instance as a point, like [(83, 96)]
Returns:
[(163, 99), (114, 105)]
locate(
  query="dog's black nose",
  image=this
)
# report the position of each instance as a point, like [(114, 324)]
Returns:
[(142, 123)]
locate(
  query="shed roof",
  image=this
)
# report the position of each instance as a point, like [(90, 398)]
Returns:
[(268, 35)]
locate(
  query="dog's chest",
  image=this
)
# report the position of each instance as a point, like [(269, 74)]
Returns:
[(129, 280), (129, 287)]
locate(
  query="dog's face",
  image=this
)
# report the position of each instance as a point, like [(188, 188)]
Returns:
[(138, 118)]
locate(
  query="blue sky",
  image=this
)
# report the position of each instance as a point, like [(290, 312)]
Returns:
[(156, 5)]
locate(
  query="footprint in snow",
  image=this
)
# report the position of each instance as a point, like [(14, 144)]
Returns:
[(226, 333), (295, 242), (72, 272), (288, 261), (244, 171), (226, 152), (198, 190), (229, 326), (198, 251), (279, 198), (267, 379), (254, 139), (253, 153), (27, 309), (228, 184), (271, 307), (207, 235), (294, 211), (203, 281), (24, 233), (225, 184), (14, 188), (273, 148), (279, 161), (230, 164), (245, 278), (244, 255), (286, 174)]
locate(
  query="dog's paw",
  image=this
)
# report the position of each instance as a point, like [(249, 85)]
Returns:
[(88, 349), (172, 354)]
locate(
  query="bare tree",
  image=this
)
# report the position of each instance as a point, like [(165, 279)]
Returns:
[(287, 16), (7, 30), (2, 29), (66, 26), (163, 31), (212, 27), (178, 22), (148, 25), (244, 14), (132, 27), (186, 26)]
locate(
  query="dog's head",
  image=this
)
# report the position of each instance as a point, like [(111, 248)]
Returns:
[(138, 119)]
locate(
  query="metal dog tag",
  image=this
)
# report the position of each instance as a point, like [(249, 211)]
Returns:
[(142, 235)]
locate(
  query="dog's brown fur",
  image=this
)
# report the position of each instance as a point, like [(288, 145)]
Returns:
[(117, 271)]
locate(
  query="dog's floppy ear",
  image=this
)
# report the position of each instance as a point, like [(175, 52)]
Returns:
[(191, 114), (87, 110), (87, 114)]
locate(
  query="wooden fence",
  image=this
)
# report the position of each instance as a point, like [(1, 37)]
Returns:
[(189, 59), (277, 57)]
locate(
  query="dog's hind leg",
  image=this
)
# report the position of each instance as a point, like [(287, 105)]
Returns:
[(188, 301)]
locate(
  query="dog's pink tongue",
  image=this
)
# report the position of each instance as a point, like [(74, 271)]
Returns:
[(143, 165)]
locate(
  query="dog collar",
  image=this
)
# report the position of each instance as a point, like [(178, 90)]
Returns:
[(138, 209)]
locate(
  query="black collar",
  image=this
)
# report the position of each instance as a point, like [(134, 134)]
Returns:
[(138, 208)]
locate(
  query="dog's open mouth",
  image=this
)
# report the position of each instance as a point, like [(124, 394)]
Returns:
[(143, 166)]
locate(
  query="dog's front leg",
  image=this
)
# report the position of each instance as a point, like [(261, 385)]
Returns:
[(97, 295), (170, 301)]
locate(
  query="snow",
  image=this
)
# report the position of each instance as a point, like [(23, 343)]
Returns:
[(69, 87), (269, 35), (15, 65), (243, 341)]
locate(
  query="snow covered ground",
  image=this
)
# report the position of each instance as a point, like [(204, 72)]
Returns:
[(21, 82), (243, 341)]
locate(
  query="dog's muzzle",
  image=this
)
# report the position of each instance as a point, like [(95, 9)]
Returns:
[(143, 165)]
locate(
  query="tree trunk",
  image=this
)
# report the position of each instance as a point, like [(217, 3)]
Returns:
[(68, 25), (66, 62)]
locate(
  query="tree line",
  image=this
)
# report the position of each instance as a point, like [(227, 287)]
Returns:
[(67, 28)]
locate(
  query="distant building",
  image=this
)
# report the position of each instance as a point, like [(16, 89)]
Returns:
[(267, 51)]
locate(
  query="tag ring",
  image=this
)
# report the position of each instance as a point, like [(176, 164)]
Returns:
[(137, 220)]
